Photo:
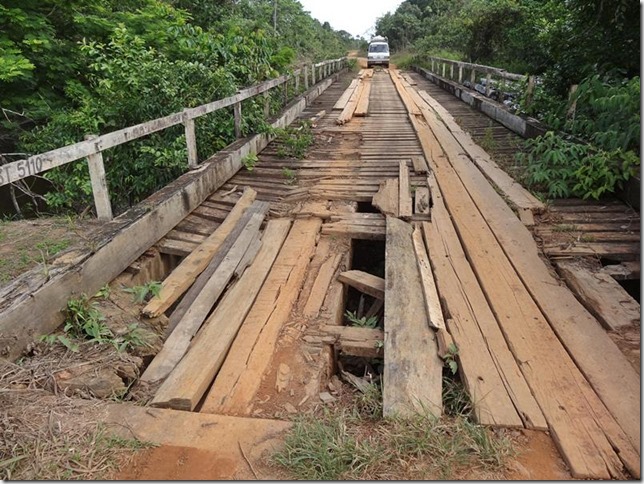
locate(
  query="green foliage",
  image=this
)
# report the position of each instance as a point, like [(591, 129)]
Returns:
[(85, 321), (362, 322), (289, 175), (563, 168), (450, 358), (143, 293), (249, 161), (293, 142), (72, 68)]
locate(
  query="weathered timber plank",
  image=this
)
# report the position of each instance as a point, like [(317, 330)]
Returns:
[(176, 346), (176, 247), (251, 353), (421, 202), (347, 113), (386, 200), (321, 286), (615, 251), (581, 426), (601, 295), (404, 201), (346, 95), (610, 375), (419, 163), (355, 231), (623, 271), (430, 293), (364, 282), (412, 377), (513, 190), (188, 382), (182, 277), (353, 341), (362, 107), (488, 367)]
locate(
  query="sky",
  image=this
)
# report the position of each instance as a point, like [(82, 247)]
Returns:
[(354, 16)]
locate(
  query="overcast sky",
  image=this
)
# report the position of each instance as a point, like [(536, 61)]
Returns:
[(354, 16)]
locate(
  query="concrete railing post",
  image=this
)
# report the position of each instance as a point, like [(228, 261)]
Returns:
[(99, 184)]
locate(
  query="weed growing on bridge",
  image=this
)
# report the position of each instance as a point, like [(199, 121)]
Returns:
[(289, 175), (293, 142), (354, 442), (145, 292), (249, 161), (362, 322)]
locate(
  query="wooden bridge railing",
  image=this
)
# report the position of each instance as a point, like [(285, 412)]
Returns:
[(460, 71), (94, 145)]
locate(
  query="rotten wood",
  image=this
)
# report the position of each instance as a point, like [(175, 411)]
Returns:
[(386, 199)]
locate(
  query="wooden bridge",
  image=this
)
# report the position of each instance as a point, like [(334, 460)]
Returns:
[(397, 213)]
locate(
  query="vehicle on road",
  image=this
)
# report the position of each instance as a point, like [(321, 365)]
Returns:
[(378, 52)]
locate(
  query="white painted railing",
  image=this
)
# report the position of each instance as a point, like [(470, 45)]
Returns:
[(93, 146)]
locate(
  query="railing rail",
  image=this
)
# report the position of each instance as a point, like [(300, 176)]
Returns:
[(93, 146), (458, 71)]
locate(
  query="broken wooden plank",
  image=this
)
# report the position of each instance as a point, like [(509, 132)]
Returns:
[(364, 282), (356, 341), (185, 273), (624, 271), (251, 353), (421, 202), (404, 201), (430, 293), (386, 200), (185, 386), (412, 377), (419, 164), (179, 340), (613, 307), (321, 286)]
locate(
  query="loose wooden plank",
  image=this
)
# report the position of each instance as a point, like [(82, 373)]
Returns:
[(430, 293), (346, 95), (404, 200), (489, 369), (611, 376), (362, 107), (185, 273), (421, 202), (364, 282), (179, 340), (581, 426), (615, 251), (386, 200), (412, 377), (197, 287), (347, 113), (321, 286), (251, 353), (185, 386), (613, 307), (419, 164)]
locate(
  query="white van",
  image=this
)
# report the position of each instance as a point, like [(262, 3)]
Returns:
[(378, 52)]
